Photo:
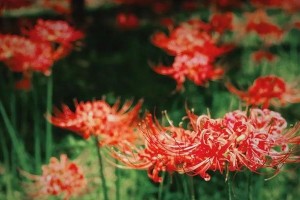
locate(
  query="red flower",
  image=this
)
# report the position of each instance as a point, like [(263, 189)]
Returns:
[(58, 32), (59, 6), (236, 141), (98, 118), (14, 4), (260, 23), (266, 91), (23, 55), (61, 178), (195, 66), (222, 22), (127, 21), (260, 55)]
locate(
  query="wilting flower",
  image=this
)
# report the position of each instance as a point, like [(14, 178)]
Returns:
[(56, 32), (260, 55), (238, 140), (266, 91), (127, 21), (98, 118), (60, 178)]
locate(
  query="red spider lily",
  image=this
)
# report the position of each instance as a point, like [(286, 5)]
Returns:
[(195, 52), (58, 32), (230, 143), (14, 4), (59, 6), (260, 55), (297, 25), (221, 22), (23, 55), (266, 91), (183, 38), (98, 118), (195, 66), (127, 21), (260, 23), (60, 178)]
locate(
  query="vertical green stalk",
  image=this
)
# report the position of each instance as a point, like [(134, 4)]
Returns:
[(5, 153), (101, 169), (17, 146), (37, 133), (250, 186), (118, 181), (161, 186), (191, 178), (185, 188), (229, 187), (48, 124)]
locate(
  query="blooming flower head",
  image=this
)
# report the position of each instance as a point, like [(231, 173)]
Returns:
[(195, 52), (238, 140), (98, 118), (194, 66), (21, 54), (57, 32), (60, 178), (266, 91)]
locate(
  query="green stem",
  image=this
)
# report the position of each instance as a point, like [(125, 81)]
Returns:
[(37, 133), (229, 186), (48, 124), (249, 186), (17, 146), (161, 186), (6, 167), (118, 182), (101, 170), (192, 188)]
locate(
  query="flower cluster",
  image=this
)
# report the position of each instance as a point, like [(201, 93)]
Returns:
[(195, 50), (61, 178), (266, 91), (47, 42), (97, 118), (239, 140)]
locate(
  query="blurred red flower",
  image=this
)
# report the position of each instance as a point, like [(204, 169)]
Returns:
[(98, 118), (260, 55), (56, 32), (23, 55), (127, 21), (261, 24), (14, 4), (221, 22), (60, 178), (266, 91)]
